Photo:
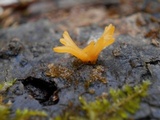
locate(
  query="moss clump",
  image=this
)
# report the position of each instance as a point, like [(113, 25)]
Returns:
[(59, 71), (96, 74), (119, 105), (5, 111), (73, 75), (4, 86), (26, 114), (20, 114)]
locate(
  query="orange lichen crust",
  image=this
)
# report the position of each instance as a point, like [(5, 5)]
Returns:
[(89, 53)]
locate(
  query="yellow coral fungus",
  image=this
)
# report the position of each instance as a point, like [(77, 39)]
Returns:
[(89, 53)]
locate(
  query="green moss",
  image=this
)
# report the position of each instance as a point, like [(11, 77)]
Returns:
[(26, 114), (4, 86), (119, 105), (19, 114), (4, 112)]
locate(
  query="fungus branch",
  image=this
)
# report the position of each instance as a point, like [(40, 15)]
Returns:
[(89, 53)]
